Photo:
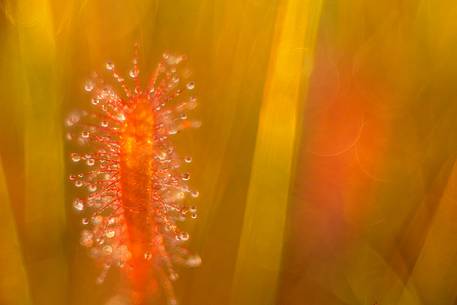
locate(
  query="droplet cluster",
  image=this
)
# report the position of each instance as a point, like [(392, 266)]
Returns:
[(109, 207)]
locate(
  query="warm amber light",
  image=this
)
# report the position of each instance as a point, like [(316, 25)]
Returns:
[(324, 163)]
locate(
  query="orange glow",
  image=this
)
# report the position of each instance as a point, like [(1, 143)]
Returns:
[(345, 148)]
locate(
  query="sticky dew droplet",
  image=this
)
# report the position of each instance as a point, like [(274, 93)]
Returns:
[(110, 233), (109, 66), (133, 73), (75, 157), (92, 188), (78, 204), (184, 236), (89, 85), (190, 85)]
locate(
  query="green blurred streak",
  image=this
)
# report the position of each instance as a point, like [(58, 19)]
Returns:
[(260, 249), (234, 72), (14, 287), (44, 215)]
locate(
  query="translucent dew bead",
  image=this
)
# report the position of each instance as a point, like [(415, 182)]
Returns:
[(190, 85), (109, 66), (89, 86), (75, 157), (133, 73), (78, 204), (110, 233), (184, 236)]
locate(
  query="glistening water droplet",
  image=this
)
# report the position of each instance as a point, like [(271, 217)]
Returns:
[(89, 85)]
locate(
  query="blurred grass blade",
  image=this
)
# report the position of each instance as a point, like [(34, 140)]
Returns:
[(44, 214), (435, 271), (260, 249), (14, 288)]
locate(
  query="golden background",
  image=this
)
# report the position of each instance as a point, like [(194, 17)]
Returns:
[(325, 162)]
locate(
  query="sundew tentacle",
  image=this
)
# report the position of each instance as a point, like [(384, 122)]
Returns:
[(133, 192)]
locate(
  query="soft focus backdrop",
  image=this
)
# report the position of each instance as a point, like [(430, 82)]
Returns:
[(325, 162)]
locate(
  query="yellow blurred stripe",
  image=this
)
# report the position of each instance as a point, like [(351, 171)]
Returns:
[(260, 249), (14, 289), (44, 215)]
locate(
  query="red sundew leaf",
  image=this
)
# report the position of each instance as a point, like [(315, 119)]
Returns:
[(133, 190)]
